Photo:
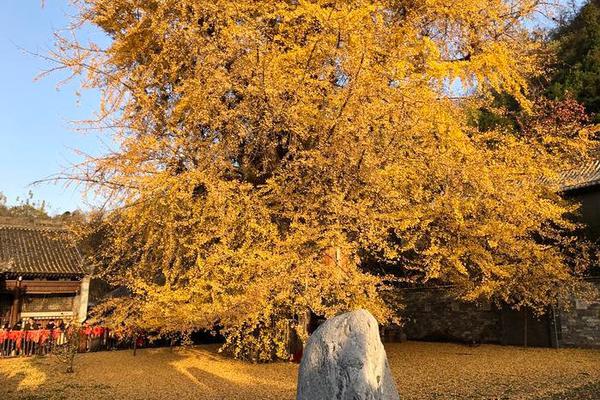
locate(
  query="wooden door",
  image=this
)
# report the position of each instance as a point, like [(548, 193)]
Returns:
[(6, 301), (524, 328)]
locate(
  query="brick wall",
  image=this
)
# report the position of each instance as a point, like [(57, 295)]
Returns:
[(431, 314), (580, 323)]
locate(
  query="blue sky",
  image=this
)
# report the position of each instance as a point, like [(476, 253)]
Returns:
[(36, 134)]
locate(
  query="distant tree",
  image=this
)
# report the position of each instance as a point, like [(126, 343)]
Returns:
[(267, 148), (25, 210), (577, 72)]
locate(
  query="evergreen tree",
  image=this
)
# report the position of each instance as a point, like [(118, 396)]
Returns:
[(578, 51)]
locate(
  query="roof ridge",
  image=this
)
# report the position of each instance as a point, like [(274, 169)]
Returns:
[(33, 227)]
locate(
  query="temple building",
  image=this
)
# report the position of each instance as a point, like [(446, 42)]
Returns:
[(42, 275)]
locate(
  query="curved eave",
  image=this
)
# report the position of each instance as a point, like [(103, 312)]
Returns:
[(15, 275), (579, 186)]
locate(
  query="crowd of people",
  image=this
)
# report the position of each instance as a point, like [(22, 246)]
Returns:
[(31, 324)]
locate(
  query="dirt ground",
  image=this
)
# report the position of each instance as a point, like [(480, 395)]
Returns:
[(422, 371)]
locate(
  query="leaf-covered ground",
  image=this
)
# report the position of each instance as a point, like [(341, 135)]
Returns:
[(422, 371)]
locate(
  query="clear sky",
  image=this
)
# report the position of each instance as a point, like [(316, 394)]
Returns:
[(36, 134)]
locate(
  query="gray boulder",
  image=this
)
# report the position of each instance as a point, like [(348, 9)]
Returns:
[(344, 359)]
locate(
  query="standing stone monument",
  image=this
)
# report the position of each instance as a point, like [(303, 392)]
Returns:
[(344, 359)]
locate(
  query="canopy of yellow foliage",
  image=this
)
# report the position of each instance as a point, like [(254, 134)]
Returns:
[(257, 135)]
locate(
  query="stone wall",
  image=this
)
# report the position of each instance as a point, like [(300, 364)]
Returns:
[(432, 314), (580, 323)]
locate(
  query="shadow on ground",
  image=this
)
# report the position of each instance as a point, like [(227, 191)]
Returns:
[(590, 391), (423, 371), (199, 373)]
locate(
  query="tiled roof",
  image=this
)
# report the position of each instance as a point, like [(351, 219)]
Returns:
[(585, 176), (34, 250)]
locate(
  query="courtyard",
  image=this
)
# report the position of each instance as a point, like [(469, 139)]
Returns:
[(421, 370)]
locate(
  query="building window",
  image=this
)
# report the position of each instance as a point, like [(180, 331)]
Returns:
[(47, 303)]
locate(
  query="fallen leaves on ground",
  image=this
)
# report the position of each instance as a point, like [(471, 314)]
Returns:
[(422, 371)]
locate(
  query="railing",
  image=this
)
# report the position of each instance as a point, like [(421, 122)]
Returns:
[(42, 341)]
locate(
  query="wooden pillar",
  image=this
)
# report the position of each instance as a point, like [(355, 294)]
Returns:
[(15, 309), (554, 327), (525, 318)]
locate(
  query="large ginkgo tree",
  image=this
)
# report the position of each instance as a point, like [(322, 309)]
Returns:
[(267, 149)]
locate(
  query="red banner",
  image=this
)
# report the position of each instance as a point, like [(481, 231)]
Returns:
[(42, 336)]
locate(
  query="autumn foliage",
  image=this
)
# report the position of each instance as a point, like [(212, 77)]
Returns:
[(267, 148)]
